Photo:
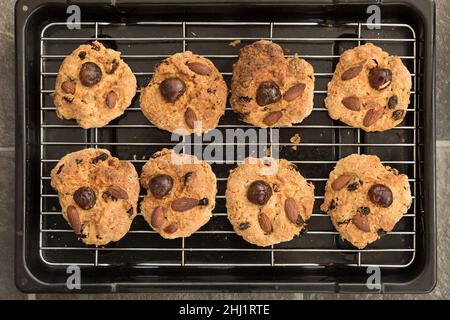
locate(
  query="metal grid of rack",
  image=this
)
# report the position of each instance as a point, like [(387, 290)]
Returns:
[(133, 138)]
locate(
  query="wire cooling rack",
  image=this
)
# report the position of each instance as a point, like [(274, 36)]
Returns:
[(323, 143)]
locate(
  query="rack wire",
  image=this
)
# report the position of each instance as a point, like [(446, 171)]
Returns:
[(133, 138)]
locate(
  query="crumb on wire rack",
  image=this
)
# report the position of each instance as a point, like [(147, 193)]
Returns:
[(234, 43), (296, 139)]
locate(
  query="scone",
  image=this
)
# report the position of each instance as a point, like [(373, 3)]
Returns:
[(268, 89), (98, 194), (268, 202), (370, 89), (181, 193), (93, 86), (186, 94), (364, 198)]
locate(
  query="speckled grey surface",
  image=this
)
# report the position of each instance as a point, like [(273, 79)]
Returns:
[(6, 72), (442, 69), (180, 296), (7, 288)]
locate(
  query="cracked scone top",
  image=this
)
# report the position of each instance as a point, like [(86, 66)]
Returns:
[(93, 86), (98, 194), (181, 193), (186, 94), (364, 198), (370, 89), (268, 202), (268, 89)]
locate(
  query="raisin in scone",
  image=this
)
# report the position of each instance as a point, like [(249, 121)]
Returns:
[(364, 198), (268, 201), (181, 193), (93, 86), (268, 89), (370, 89), (98, 194), (186, 94)]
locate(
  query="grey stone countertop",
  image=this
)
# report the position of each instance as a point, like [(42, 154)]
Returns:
[(7, 287)]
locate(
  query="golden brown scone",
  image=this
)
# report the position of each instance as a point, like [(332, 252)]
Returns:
[(186, 94), (93, 86), (370, 89), (268, 89), (181, 193), (268, 202), (98, 194), (364, 198)]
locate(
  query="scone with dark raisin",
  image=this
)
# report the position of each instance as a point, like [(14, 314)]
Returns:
[(181, 193), (93, 86), (270, 90), (268, 201), (98, 194), (186, 94), (364, 198), (370, 89)]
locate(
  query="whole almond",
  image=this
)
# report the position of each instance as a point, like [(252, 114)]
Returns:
[(184, 204), (117, 192), (294, 92), (272, 118), (265, 223), (158, 216), (68, 87), (372, 116), (190, 117), (171, 228), (352, 72), (352, 103), (361, 222), (291, 209), (74, 219), (341, 182), (111, 99), (199, 68)]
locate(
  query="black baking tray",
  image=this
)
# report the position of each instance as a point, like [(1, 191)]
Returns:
[(34, 274)]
